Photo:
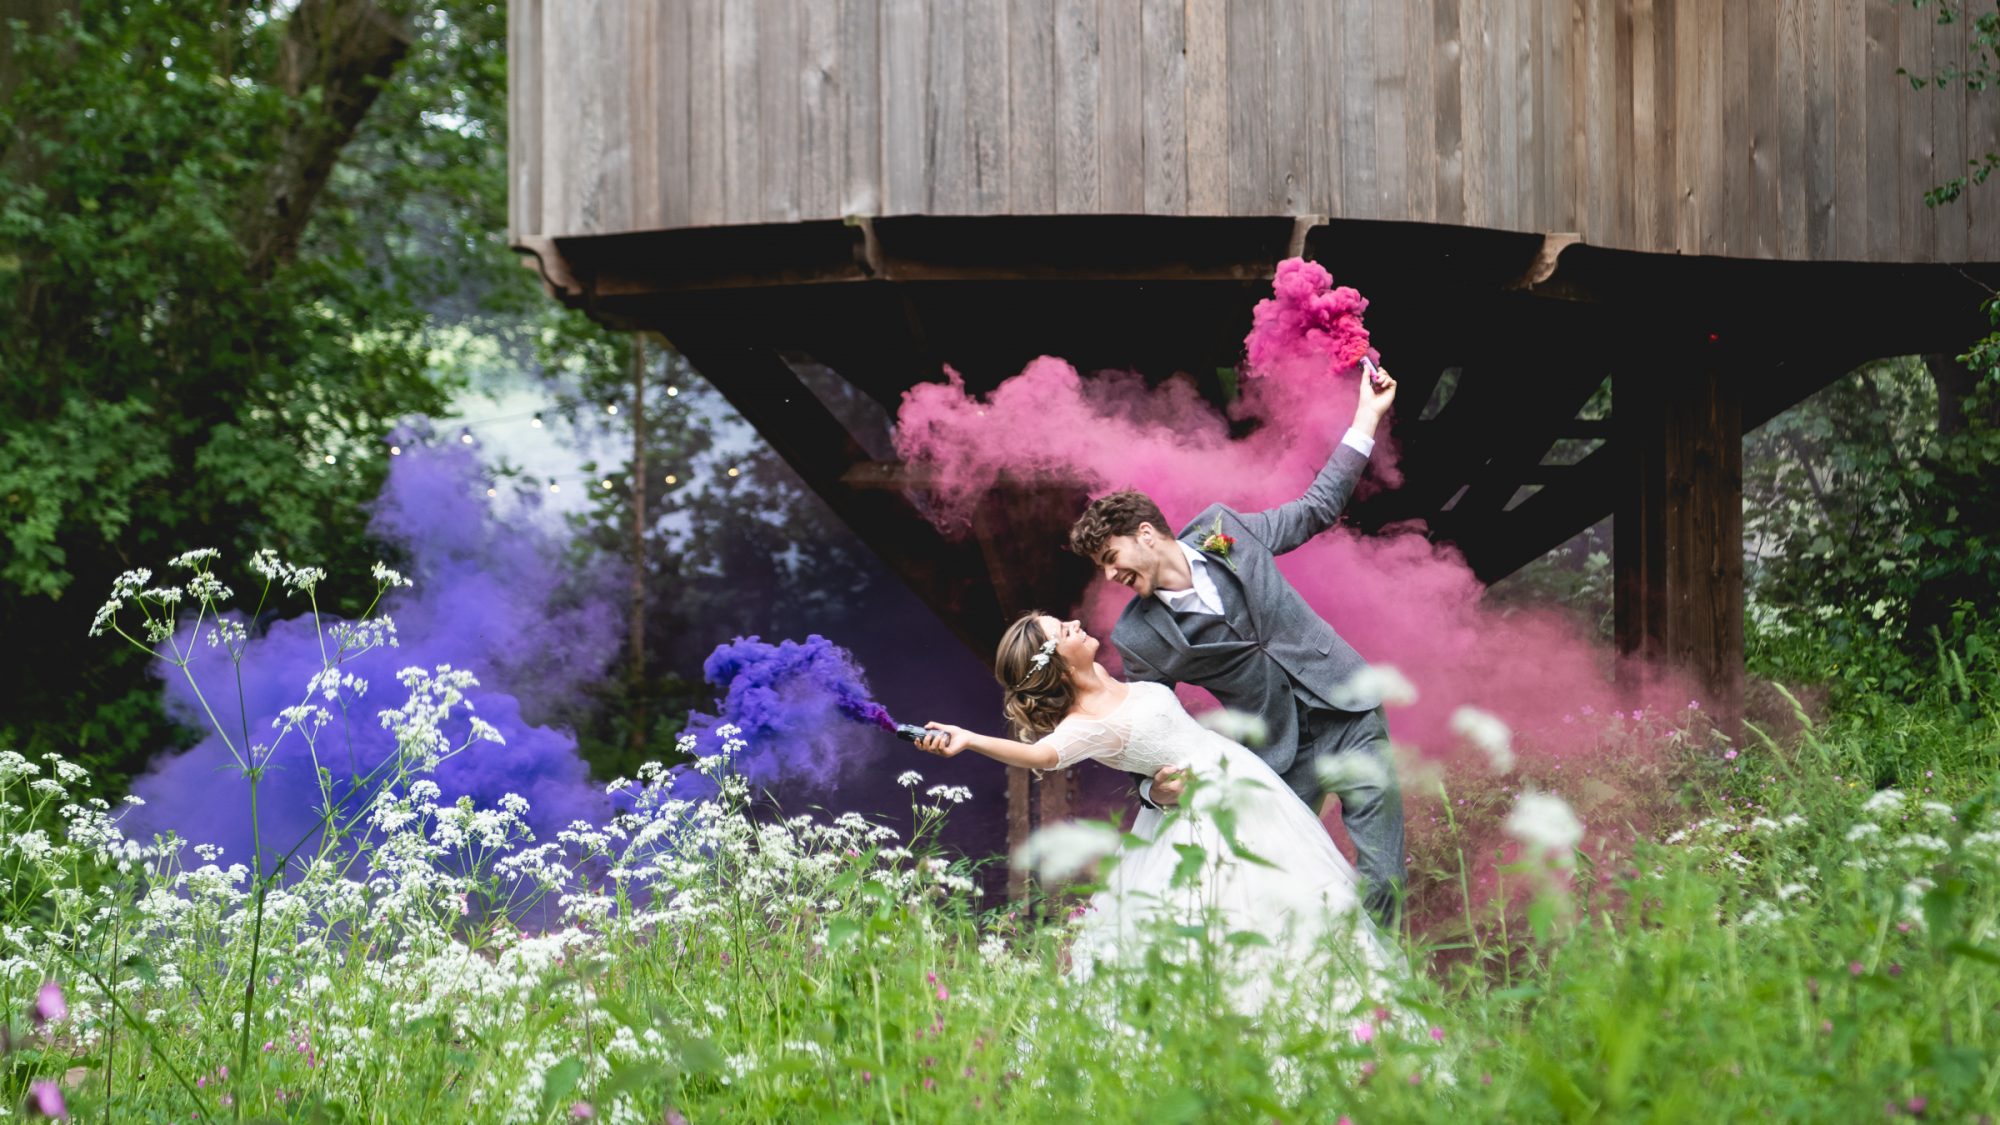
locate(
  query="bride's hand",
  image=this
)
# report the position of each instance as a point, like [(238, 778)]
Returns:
[(945, 740)]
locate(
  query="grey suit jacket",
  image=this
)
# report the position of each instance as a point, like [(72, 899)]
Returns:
[(1273, 614)]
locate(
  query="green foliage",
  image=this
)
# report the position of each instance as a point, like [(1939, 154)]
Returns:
[(1804, 948), (162, 389), (1873, 529)]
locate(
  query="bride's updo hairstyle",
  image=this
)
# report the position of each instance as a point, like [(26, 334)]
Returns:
[(1037, 698)]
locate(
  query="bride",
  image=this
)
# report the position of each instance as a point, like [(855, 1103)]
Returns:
[(1267, 866)]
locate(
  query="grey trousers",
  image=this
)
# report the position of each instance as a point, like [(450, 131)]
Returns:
[(1371, 805)]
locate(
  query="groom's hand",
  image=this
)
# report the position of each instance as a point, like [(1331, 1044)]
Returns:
[(1167, 787), (1377, 395)]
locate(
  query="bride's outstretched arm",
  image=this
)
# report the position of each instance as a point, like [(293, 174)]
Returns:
[(947, 741)]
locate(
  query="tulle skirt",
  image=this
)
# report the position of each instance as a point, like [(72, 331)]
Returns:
[(1245, 878)]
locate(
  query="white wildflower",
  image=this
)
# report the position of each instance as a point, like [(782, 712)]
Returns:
[(1374, 683), (1863, 830), (1240, 727), (387, 577), (1062, 850), (1546, 824), (1488, 733), (1761, 913), (1340, 773), (909, 779), (1923, 842), (1886, 801)]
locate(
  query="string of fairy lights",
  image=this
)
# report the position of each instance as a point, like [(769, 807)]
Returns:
[(536, 419)]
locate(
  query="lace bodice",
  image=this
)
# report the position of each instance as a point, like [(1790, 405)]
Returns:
[(1150, 729)]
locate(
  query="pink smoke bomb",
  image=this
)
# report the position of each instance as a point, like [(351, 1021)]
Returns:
[(1374, 373)]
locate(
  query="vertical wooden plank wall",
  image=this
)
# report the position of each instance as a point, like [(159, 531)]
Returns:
[(1771, 129)]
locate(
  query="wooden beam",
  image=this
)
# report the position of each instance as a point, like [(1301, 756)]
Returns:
[(1677, 540), (949, 575)]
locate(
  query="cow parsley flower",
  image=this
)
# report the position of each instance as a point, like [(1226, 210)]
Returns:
[(1062, 850), (1488, 733), (1545, 823)]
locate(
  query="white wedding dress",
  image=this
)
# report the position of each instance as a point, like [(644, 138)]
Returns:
[(1320, 957)]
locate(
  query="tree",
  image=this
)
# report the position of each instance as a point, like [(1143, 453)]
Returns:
[(220, 225)]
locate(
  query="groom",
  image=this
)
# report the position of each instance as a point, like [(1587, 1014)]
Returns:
[(1212, 610)]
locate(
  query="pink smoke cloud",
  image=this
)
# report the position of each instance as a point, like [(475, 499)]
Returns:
[(1307, 322), (1396, 597)]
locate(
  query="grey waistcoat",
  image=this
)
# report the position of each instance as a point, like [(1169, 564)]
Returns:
[(1277, 655)]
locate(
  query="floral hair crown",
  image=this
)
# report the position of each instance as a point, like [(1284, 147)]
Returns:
[(1040, 660)]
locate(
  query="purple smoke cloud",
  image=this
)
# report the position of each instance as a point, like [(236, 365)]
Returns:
[(486, 600), (784, 699)]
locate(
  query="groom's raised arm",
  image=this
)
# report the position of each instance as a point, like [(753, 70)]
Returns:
[(1288, 526)]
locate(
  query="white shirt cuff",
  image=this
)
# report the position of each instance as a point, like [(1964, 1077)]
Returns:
[(1359, 442), (1146, 791)]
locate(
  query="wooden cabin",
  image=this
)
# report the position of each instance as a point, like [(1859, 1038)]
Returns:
[(1719, 206)]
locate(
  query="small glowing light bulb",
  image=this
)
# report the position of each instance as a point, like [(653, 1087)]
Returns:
[(395, 451), (492, 492), (537, 423), (329, 458), (611, 408), (607, 483), (733, 470), (554, 487), (673, 391), (672, 479)]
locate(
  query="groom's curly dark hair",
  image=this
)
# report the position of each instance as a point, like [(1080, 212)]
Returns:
[(1120, 513)]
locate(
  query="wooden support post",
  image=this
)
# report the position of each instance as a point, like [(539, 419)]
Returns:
[(1020, 823), (1677, 543)]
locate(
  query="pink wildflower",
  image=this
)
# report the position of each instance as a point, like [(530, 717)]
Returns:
[(582, 1111), (45, 1100), (1730, 756), (1855, 968), (1437, 1034), (1363, 1031), (49, 1004)]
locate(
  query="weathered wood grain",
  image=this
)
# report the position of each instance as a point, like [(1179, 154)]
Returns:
[(1778, 129), (1207, 39), (822, 154), (906, 145), (1164, 99), (1031, 121), (1121, 139), (945, 109), (987, 112), (1076, 78), (1249, 151), (707, 179), (742, 105)]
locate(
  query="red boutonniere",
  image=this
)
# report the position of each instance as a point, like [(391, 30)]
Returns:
[(1218, 544)]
